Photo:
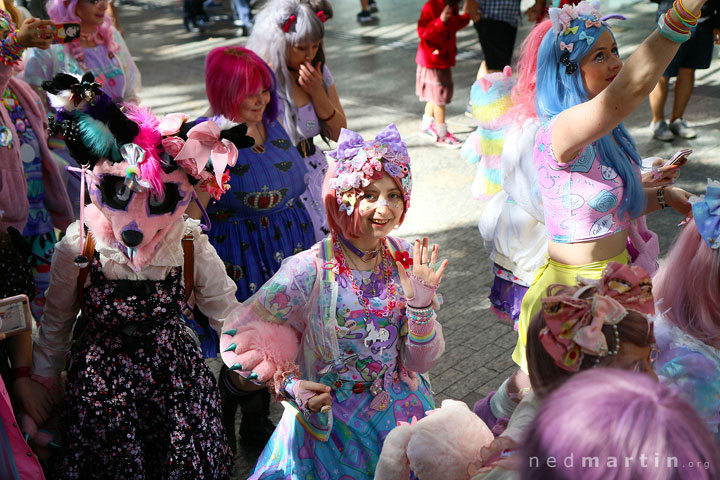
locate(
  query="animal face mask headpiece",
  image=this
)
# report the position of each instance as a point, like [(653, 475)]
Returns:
[(140, 183)]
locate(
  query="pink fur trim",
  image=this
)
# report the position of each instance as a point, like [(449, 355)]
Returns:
[(149, 139), (99, 224), (262, 347)]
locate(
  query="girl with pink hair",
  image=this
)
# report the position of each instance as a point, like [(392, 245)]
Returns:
[(342, 330), (688, 329)]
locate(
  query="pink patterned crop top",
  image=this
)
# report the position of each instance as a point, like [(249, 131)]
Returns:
[(581, 197)]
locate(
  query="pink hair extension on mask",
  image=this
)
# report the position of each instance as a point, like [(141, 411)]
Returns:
[(62, 11), (149, 139), (523, 94), (233, 74), (603, 414), (348, 226), (688, 284)]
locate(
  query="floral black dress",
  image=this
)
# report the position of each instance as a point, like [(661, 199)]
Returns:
[(141, 402)]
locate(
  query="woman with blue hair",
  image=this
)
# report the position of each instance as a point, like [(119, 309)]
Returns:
[(588, 166)]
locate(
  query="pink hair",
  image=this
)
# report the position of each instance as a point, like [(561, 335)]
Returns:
[(348, 226), (688, 283), (234, 73), (63, 11), (523, 94), (150, 140)]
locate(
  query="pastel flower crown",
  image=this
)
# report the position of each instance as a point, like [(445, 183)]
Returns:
[(360, 162)]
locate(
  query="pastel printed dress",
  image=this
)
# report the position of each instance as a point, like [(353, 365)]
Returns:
[(261, 220), (39, 231), (369, 362)]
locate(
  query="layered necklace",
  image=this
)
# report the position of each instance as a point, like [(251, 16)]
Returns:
[(387, 269)]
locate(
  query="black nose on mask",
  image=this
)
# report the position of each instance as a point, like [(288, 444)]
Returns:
[(132, 238)]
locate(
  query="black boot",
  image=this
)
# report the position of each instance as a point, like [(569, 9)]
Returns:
[(229, 410), (255, 426)]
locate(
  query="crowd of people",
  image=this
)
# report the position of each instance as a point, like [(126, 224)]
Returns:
[(135, 248)]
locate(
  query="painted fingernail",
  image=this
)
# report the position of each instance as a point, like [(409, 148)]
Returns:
[(237, 366), (27, 437), (230, 332), (230, 348), (53, 444)]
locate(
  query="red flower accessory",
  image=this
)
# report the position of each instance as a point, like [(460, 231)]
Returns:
[(404, 258), (322, 16), (288, 23)]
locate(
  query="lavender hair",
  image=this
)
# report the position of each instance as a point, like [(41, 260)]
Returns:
[(271, 43), (234, 73), (688, 284), (546, 376), (607, 414), (63, 11)]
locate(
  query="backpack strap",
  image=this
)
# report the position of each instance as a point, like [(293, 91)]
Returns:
[(188, 246), (89, 253), (393, 246), (326, 255)]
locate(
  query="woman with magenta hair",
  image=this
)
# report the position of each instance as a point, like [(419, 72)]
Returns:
[(688, 328), (588, 166), (344, 331), (609, 425), (289, 36), (262, 221)]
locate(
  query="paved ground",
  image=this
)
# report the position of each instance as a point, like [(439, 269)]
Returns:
[(374, 69)]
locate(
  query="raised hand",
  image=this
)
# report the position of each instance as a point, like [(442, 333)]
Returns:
[(424, 279)]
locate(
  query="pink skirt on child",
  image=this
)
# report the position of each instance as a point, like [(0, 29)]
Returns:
[(434, 85)]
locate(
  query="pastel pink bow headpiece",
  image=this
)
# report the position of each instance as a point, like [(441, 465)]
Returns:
[(574, 325), (204, 144)]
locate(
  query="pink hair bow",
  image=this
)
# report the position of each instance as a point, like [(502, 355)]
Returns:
[(204, 144), (574, 325), (322, 16), (567, 46), (593, 23), (288, 23)]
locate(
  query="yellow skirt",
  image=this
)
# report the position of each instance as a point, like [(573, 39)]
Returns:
[(550, 273)]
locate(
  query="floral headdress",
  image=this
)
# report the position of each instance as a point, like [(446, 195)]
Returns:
[(360, 162), (706, 210), (574, 324), (570, 24)]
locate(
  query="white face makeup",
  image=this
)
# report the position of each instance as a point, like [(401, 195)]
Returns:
[(381, 208)]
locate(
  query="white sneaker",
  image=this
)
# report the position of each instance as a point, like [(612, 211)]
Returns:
[(680, 128), (661, 131)]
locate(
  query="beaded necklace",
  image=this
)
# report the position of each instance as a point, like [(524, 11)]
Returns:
[(387, 270)]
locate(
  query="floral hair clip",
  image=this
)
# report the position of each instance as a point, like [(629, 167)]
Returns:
[(360, 162), (322, 16), (706, 210), (288, 23)]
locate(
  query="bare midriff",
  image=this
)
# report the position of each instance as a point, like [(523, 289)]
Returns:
[(582, 253)]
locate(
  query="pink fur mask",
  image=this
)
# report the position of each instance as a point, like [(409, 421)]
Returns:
[(135, 222)]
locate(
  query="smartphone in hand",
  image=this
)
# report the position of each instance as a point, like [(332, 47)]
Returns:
[(64, 32), (15, 316), (680, 158)]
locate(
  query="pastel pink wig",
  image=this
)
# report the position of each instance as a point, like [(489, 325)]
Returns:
[(234, 73), (688, 284), (349, 226), (63, 11), (523, 94)]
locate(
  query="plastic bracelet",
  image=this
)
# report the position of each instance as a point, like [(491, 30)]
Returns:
[(21, 372), (675, 25), (666, 31), (661, 197), (11, 51), (688, 22), (685, 10)]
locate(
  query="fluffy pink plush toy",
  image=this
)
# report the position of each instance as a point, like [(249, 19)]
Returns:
[(445, 445)]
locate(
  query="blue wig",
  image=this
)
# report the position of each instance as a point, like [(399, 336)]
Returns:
[(562, 87)]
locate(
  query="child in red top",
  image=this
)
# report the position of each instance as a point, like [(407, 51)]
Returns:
[(439, 22)]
